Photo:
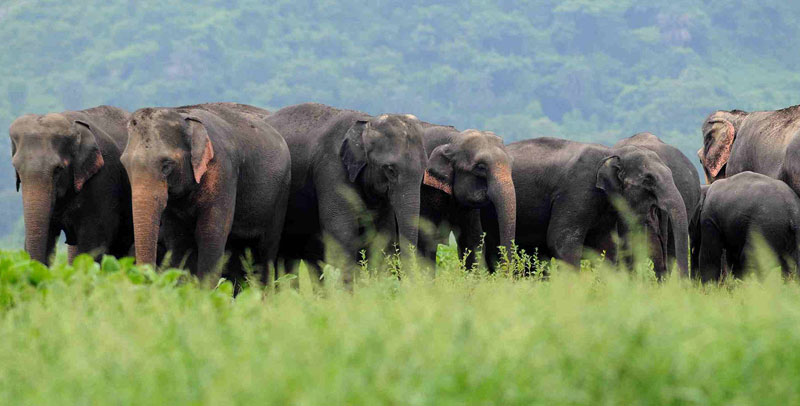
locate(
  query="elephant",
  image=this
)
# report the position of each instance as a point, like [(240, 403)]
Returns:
[(766, 142), (351, 173), (68, 165), (735, 208), (686, 180), (466, 171), (214, 177), (565, 193)]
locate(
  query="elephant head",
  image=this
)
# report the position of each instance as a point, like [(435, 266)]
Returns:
[(54, 156), (476, 170), (645, 183), (719, 132), (386, 157), (166, 157)]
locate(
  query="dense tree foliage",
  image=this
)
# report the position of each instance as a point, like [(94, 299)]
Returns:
[(584, 69)]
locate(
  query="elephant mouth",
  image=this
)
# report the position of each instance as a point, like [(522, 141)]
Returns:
[(476, 201)]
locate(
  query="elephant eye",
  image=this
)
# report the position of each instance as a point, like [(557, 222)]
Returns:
[(167, 166), (390, 171), (480, 168)]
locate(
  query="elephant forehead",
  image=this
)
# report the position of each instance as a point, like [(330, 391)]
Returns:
[(47, 125), (393, 138), (155, 126), (475, 139)]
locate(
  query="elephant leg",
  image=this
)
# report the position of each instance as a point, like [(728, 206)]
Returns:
[(236, 250), (339, 222), (786, 270), (711, 253), (211, 234), (567, 232), (433, 208), (72, 252), (468, 235), (602, 242), (795, 250), (92, 241), (267, 255), (490, 225)]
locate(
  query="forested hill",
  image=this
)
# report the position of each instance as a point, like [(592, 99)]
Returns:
[(584, 69)]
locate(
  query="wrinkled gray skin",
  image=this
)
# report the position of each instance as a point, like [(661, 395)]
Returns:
[(686, 179), (352, 175), (466, 171), (68, 167), (564, 191), (766, 142), (215, 178), (694, 231), (732, 210)]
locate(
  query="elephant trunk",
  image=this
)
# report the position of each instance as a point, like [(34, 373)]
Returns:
[(504, 197), (37, 198), (673, 204), (658, 239), (405, 203), (149, 201)]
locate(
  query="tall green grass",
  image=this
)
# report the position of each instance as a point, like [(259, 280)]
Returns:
[(112, 333)]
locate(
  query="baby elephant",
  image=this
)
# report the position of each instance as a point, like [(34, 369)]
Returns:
[(733, 210)]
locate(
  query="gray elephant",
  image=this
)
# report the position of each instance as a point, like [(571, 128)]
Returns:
[(686, 180), (466, 171), (352, 175), (215, 177), (732, 210), (72, 181), (564, 198), (766, 142)]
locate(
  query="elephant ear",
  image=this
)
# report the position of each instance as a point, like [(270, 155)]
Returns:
[(202, 149), (14, 152), (610, 174), (352, 152), (88, 158), (716, 155), (439, 173)]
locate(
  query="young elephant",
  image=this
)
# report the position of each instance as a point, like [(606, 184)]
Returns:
[(466, 171), (564, 198), (735, 208), (72, 181), (214, 176)]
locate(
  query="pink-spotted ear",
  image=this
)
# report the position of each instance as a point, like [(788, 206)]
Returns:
[(718, 152), (439, 174), (88, 159), (202, 150)]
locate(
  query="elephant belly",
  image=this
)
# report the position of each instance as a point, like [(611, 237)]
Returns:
[(256, 210), (532, 232)]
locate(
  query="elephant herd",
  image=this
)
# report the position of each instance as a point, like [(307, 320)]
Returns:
[(200, 186)]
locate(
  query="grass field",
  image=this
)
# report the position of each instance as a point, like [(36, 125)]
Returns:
[(117, 334)]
